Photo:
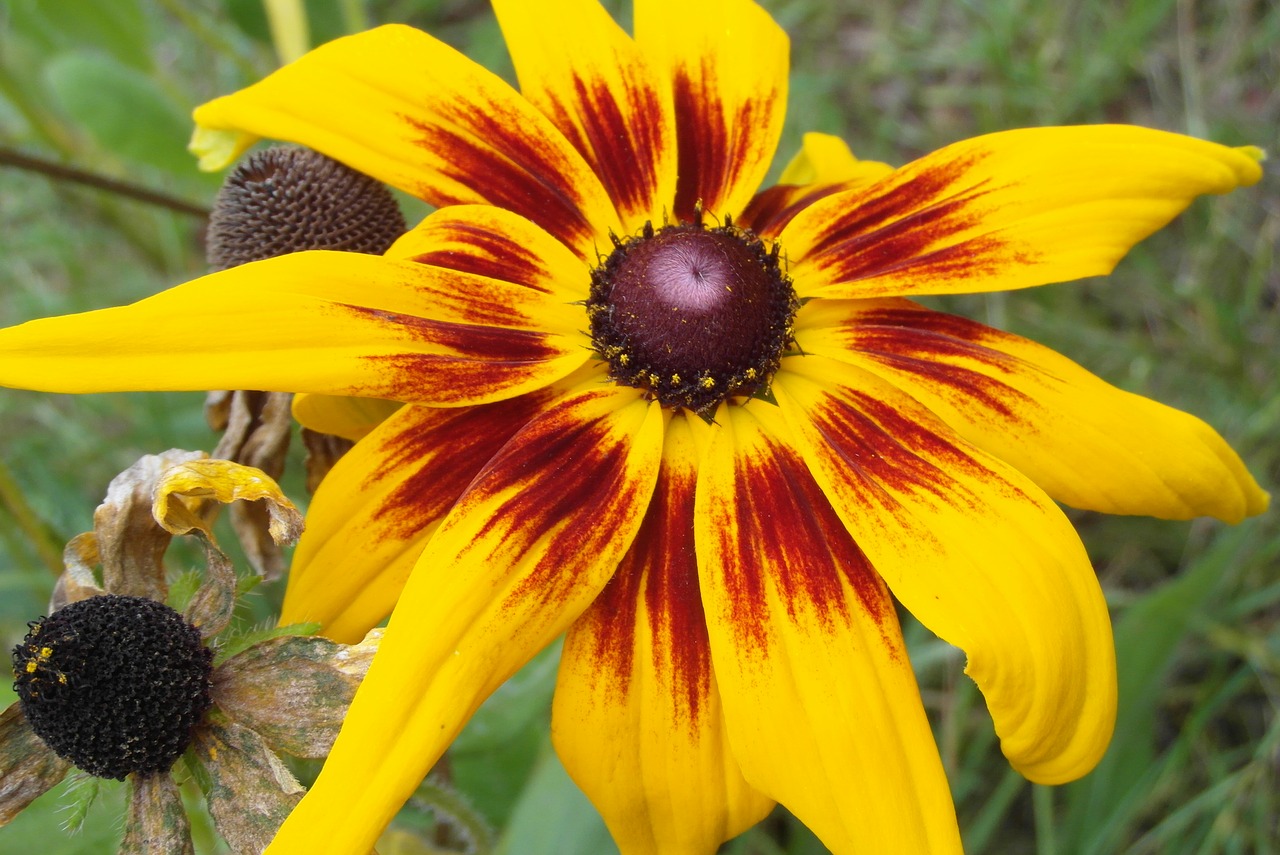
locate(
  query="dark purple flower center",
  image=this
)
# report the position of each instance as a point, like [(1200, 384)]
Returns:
[(114, 685), (693, 315)]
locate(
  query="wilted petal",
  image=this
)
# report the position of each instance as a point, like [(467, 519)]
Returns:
[(157, 823), (248, 789), (28, 769), (294, 691)]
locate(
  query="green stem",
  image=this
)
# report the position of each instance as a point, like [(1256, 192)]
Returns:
[(451, 809), (15, 502), (1042, 805)]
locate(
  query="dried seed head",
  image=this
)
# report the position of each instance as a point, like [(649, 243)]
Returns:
[(282, 199), (115, 685)]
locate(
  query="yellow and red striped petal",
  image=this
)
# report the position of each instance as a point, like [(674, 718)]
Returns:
[(822, 707), (823, 167), (339, 323), (382, 501), (1083, 441), (975, 551), (523, 553), (586, 74), (727, 61), (407, 109), (1007, 210), (499, 244), (637, 717)]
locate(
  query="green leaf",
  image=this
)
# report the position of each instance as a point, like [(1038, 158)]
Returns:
[(118, 28), (553, 817), (123, 110)]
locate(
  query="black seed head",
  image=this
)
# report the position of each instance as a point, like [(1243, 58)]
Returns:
[(114, 685), (693, 315), (283, 200)]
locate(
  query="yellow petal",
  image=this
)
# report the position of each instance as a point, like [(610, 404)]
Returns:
[(342, 415), (975, 551), (333, 322), (403, 107), (826, 159), (728, 64), (1083, 441), (224, 482), (381, 502), (587, 75), (1007, 210), (821, 703), (637, 717), (521, 555), (498, 244)]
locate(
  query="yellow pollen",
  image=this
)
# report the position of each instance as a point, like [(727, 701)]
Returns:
[(708, 382), (31, 666)]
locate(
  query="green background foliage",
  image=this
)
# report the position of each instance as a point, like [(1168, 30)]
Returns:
[(1189, 318)]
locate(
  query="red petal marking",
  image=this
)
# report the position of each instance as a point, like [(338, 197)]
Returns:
[(481, 359), (661, 569), (785, 526), (708, 154), (487, 253), (932, 345), (620, 143), (770, 210), (884, 230), (456, 444), (884, 453), (492, 153), (546, 479)]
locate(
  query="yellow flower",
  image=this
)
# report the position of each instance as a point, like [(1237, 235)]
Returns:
[(700, 428)]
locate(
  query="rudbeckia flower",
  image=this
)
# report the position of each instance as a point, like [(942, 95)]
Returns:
[(701, 429)]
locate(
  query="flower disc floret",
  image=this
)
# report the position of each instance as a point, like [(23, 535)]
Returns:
[(694, 315), (114, 684)]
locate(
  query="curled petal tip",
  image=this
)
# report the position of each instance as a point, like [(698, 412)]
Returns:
[(217, 149)]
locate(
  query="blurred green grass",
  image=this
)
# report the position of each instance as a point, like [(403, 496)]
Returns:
[(1190, 318)]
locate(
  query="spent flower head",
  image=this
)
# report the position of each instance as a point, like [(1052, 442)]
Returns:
[(118, 684)]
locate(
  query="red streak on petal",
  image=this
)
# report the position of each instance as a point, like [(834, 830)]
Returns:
[(885, 453), (444, 449), (486, 253), (557, 488), (493, 154), (770, 210), (785, 527), (707, 145), (660, 572), (864, 242), (480, 341), (933, 345), (620, 142)]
